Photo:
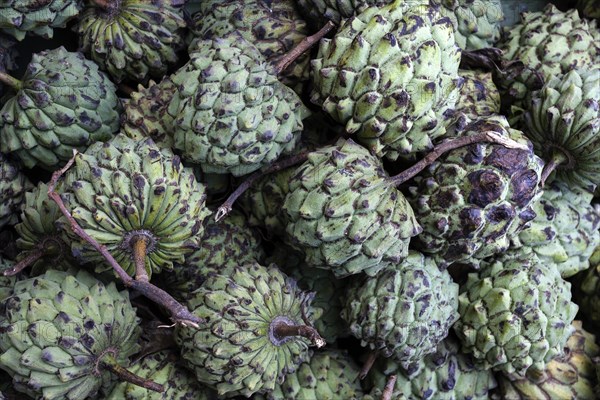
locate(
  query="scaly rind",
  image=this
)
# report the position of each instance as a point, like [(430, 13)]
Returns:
[(515, 314), (389, 75), (18, 17), (405, 310), (565, 229), (13, 185), (55, 327), (230, 112), (564, 119), (342, 213), (233, 352), (133, 39), (64, 103), (122, 187), (571, 375)]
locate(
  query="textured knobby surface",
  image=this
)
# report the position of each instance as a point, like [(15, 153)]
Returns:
[(472, 200), (274, 27), (57, 327), (446, 374), (569, 376), (64, 103), (515, 314), (123, 188), (262, 202), (564, 121), (328, 375), (231, 114), (17, 17), (37, 229), (132, 39), (6, 282), (224, 246), (405, 310), (565, 229), (389, 75), (343, 215), (329, 291), (145, 113), (550, 42), (162, 368), (233, 351), (13, 185), (476, 22), (318, 12), (478, 95)]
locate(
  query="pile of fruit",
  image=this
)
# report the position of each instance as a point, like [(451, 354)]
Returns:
[(299, 199)]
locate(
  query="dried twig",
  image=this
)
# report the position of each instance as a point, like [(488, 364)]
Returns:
[(451, 144), (388, 391), (250, 180), (178, 313)]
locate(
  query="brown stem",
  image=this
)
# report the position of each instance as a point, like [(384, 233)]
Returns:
[(179, 313), (558, 158), (10, 81), (368, 364), (388, 391), (139, 247), (285, 163), (303, 46), (282, 329), (451, 144), (110, 363), (32, 257)]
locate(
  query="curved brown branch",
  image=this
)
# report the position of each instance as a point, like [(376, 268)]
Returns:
[(451, 144), (178, 313)]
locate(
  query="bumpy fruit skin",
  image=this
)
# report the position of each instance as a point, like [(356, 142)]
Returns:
[(163, 368), (17, 17), (274, 27), (231, 114), (569, 376), (262, 202), (236, 351), (64, 103), (13, 185), (123, 189), (565, 229), (563, 121), (224, 246), (132, 39), (586, 291), (446, 374), (473, 199), (343, 214), (515, 314), (329, 291), (405, 310), (37, 230), (551, 43), (58, 328), (389, 75), (318, 12), (328, 375), (476, 22), (145, 113), (478, 94), (6, 282)]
